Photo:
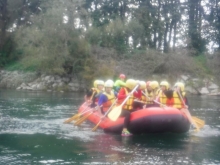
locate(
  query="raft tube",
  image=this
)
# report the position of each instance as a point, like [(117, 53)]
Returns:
[(148, 120)]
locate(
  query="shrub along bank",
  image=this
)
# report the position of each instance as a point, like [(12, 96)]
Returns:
[(106, 63)]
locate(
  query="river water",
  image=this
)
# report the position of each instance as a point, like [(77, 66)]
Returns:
[(32, 132)]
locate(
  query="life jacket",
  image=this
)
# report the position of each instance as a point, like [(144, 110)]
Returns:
[(143, 97), (156, 94), (176, 101), (162, 98), (129, 103), (110, 101), (149, 97)]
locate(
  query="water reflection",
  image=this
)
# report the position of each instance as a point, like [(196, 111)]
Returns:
[(145, 149)]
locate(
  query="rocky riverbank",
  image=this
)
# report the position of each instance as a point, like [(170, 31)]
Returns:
[(33, 81)]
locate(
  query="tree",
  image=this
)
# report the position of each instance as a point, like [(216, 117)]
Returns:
[(13, 14), (212, 16), (195, 12), (3, 21), (52, 44)]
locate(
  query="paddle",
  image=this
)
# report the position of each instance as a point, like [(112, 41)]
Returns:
[(80, 121), (115, 113), (78, 115), (201, 122), (96, 126), (154, 100), (196, 121)]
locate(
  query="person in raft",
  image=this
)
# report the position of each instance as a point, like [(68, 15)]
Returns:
[(162, 93), (119, 83), (177, 98), (107, 98), (150, 93), (140, 103), (93, 94), (127, 108)]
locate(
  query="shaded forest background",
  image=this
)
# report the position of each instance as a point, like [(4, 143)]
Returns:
[(102, 38)]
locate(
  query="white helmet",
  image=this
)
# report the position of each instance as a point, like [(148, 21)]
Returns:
[(109, 83)]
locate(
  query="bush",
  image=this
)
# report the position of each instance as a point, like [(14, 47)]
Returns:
[(214, 64), (50, 46)]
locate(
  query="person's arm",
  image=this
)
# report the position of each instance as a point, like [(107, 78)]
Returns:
[(157, 94), (121, 83), (121, 94), (138, 94)]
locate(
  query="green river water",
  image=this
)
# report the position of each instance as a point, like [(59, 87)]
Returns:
[(32, 132)]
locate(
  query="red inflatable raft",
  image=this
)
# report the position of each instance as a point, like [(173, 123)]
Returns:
[(148, 120)]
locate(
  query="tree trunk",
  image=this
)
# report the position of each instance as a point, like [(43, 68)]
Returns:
[(159, 29), (3, 22), (165, 43), (174, 36)]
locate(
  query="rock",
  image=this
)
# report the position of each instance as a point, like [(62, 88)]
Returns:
[(214, 91), (41, 86), (32, 85), (71, 84), (204, 90), (54, 85), (184, 77), (61, 84), (213, 86), (18, 88), (66, 79), (47, 78), (214, 94), (74, 89), (191, 90)]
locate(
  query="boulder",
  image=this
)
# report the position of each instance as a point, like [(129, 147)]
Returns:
[(213, 86), (204, 90)]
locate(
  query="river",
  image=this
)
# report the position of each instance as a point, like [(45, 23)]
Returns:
[(32, 132)]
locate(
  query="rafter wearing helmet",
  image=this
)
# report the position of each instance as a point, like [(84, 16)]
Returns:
[(107, 98), (154, 88), (174, 100), (120, 82), (141, 101), (161, 97), (180, 101), (93, 94), (127, 108)]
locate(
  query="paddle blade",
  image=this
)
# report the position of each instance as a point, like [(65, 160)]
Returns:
[(115, 113), (75, 117), (200, 123), (97, 125), (80, 121)]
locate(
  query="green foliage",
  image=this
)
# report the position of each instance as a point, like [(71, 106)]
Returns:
[(51, 46), (201, 61), (59, 37), (7, 53), (136, 31), (113, 35)]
